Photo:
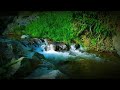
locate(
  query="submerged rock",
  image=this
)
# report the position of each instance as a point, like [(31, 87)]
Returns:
[(45, 73), (55, 74)]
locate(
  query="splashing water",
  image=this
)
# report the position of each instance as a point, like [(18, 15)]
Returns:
[(56, 56)]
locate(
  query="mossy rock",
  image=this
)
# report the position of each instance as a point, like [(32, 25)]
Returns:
[(27, 66)]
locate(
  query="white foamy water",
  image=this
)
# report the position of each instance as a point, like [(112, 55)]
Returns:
[(56, 56), (72, 53)]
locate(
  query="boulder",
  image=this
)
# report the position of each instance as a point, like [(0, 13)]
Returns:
[(6, 51), (116, 43), (54, 74), (37, 59), (38, 72), (9, 69), (45, 73), (58, 46), (27, 66), (25, 37)]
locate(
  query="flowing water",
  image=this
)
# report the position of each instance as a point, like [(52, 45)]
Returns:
[(80, 64), (73, 53)]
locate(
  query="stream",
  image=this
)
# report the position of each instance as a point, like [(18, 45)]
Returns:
[(56, 57)]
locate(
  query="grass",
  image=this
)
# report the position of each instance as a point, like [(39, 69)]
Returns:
[(66, 26), (53, 25)]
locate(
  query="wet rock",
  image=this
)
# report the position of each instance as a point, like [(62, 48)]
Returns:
[(38, 56), (10, 68), (116, 43), (34, 44), (6, 51), (15, 65), (58, 46), (21, 49), (77, 46), (27, 66), (37, 59), (4, 21), (38, 72), (25, 36), (44, 63), (55, 74), (44, 68), (18, 69), (45, 73)]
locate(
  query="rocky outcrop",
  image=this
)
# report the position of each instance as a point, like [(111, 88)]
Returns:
[(21, 59), (26, 67), (116, 42), (58, 46), (54, 74), (6, 51), (44, 72), (4, 21), (12, 51), (17, 23)]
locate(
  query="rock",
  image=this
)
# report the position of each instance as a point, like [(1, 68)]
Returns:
[(116, 43), (38, 72), (47, 64), (25, 36), (58, 46), (44, 73), (55, 74), (6, 51), (24, 69), (4, 21), (43, 68), (27, 66), (13, 66), (77, 46), (34, 44), (38, 56), (37, 59), (10, 68), (44, 63), (21, 49)]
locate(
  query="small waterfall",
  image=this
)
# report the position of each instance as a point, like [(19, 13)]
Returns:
[(50, 47), (72, 47), (48, 50)]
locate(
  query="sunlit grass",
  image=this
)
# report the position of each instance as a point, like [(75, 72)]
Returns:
[(53, 25)]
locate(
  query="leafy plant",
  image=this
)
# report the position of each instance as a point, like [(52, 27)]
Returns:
[(96, 23), (54, 25)]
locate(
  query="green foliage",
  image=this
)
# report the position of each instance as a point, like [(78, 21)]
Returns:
[(96, 23), (94, 41), (54, 25), (67, 25)]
